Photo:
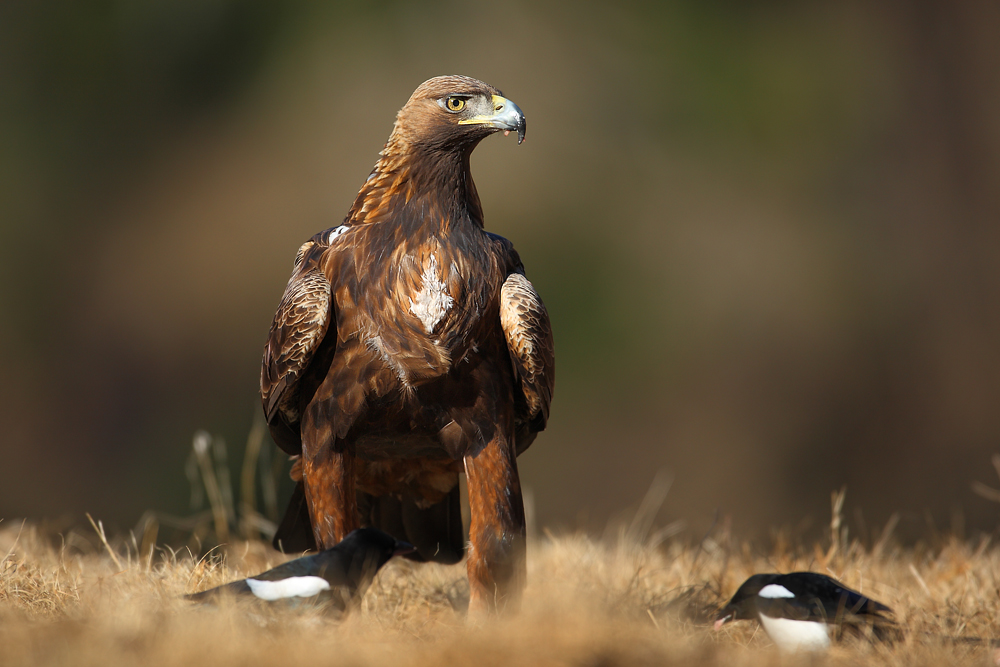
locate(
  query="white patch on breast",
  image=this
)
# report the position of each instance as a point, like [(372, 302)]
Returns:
[(292, 587), (433, 301), (775, 591), (789, 635), (335, 232)]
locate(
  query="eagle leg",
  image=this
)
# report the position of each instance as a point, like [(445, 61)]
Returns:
[(497, 570), (330, 493)]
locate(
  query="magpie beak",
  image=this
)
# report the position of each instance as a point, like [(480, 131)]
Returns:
[(403, 548)]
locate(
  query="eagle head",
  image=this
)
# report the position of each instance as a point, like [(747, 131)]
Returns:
[(454, 113)]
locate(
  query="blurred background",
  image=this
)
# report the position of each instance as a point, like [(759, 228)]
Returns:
[(766, 232)]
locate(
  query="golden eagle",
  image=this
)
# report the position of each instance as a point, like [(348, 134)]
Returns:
[(409, 347)]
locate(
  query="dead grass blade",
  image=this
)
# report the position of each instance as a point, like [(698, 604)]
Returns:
[(99, 529), (201, 443), (248, 488), (641, 524)]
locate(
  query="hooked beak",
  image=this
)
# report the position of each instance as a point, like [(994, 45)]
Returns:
[(506, 116), (403, 548)]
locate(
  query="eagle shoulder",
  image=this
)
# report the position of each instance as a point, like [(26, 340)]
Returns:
[(526, 326), (299, 326)]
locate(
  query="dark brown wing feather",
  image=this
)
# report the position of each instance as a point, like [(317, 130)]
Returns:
[(299, 326), (526, 326)]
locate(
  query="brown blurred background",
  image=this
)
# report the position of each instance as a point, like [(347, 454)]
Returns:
[(767, 234)]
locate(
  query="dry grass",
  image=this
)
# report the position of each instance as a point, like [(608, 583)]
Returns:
[(83, 598), (588, 602)]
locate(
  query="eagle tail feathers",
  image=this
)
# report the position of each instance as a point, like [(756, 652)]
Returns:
[(436, 531)]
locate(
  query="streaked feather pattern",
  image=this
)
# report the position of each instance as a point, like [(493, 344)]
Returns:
[(526, 326), (299, 325)]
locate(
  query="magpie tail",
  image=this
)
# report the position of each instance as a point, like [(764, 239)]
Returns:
[(234, 589)]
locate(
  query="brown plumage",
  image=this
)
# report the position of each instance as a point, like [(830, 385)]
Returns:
[(409, 347)]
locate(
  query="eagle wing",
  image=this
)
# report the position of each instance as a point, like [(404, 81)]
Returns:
[(299, 326), (526, 326)]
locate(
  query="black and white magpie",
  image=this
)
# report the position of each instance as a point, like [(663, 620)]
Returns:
[(800, 611), (339, 574)]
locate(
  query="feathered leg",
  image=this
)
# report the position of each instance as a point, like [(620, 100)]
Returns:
[(497, 570), (330, 492)]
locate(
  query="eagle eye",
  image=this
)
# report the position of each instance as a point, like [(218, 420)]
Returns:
[(455, 104)]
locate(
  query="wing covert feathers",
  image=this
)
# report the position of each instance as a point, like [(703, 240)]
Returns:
[(526, 326), (298, 328)]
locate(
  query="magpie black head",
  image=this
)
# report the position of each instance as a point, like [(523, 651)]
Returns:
[(368, 549), (372, 540), (743, 605)]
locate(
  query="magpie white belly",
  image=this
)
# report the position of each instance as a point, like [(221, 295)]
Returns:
[(791, 635)]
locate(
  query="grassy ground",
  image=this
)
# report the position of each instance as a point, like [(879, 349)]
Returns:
[(588, 602)]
